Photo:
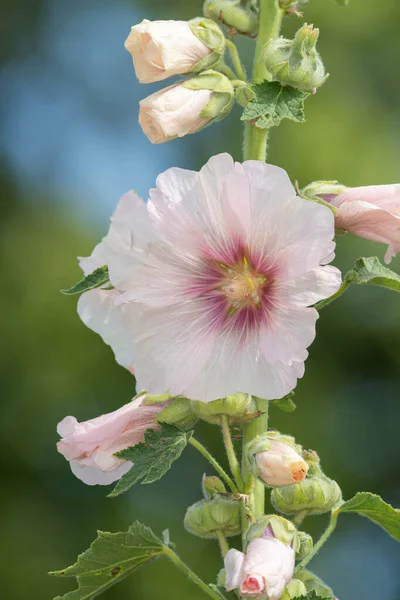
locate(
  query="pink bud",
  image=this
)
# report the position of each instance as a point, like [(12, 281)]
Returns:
[(263, 572), (371, 212), (161, 49), (90, 446), (281, 465), (173, 112)]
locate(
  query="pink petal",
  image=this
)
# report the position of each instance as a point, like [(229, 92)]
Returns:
[(234, 568), (94, 476)]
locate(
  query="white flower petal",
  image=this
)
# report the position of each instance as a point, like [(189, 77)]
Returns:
[(234, 568), (94, 476)]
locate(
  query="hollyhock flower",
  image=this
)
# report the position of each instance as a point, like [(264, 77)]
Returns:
[(214, 281), (263, 572), (161, 49), (281, 464), (371, 212), (90, 446)]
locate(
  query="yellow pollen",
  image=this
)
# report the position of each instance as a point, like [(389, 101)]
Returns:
[(242, 286)]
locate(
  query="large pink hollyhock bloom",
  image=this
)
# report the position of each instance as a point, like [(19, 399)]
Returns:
[(214, 278), (263, 572), (90, 446), (371, 212)]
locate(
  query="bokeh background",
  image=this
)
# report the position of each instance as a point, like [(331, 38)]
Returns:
[(70, 145)]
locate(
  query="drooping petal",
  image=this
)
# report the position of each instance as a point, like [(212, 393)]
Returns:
[(234, 568), (383, 196), (94, 476), (369, 221)]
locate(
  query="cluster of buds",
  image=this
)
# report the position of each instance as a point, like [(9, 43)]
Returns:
[(240, 16), (162, 49), (296, 62)]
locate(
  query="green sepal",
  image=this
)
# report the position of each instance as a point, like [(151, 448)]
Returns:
[(223, 94), (232, 13), (152, 458), (371, 271), (208, 517), (94, 280), (208, 32), (179, 412), (274, 102), (244, 94), (285, 404), (294, 589), (309, 596), (316, 585), (375, 509), (111, 558)]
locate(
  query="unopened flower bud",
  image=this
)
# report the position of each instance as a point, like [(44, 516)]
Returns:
[(236, 408), (322, 190), (212, 486), (302, 545), (233, 14), (273, 526), (317, 495), (206, 517), (276, 459), (179, 412), (221, 578), (296, 62), (294, 589), (186, 107), (161, 49), (315, 584)]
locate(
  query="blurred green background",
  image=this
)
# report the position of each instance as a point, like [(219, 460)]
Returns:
[(70, 145)]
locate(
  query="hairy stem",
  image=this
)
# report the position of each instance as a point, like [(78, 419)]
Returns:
[(319, 544), (299, 518), (224, 475), (236, 59), (190, 574), (327, 301), (257, 493), (271, 15), (230, 451), (223, 544)]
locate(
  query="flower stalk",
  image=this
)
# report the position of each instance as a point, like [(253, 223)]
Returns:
[(196, 444)]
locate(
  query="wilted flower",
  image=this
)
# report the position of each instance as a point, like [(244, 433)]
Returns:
[(214, 278), (161, 49), (90, 446), (263, 572), (185, 107)]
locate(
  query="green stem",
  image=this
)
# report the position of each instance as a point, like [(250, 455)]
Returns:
[(226, 70), (236, 59), (192, 576), (230, 451), (319, 544), (299, 518), (250, 431), (214, 463), (223, 544), (271, 15), (327, 301)]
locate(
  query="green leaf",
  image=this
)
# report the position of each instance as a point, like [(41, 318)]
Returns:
[(152, 458), (222, 594), (377, 510), (286, 404), (94, 280), (111, 558), (310, 596), (274, 102), (371, 271)]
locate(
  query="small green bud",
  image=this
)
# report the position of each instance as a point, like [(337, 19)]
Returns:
[(315, 584), (273, 526), (236, 408), (206, 517), (208, 32), (296, 62), (179, 412), (244, 94), (276, 459), (221, 578), (212, 486), (294, 589), (322, 190), (222, 96), (302, 545), (232, 13)]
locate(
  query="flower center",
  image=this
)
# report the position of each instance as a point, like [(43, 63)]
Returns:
[(242, 286), (252, 586)]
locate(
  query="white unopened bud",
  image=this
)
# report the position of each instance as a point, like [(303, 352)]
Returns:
[(281, 465)]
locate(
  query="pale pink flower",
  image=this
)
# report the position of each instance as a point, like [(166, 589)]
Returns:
[(173, 112), (214, 281), (263, 572), (281, 464), (371, 212), (161, 49), (90, 446)]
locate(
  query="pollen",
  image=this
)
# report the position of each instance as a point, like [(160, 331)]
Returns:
[(242, 286)]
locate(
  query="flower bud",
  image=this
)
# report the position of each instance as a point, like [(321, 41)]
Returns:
[(317, 495), (186, 107), (322, 190), (206, 517), (232, 13), (296, 62), (179, 412), (221, 578), (302, 545), (236, 408), (273, 526), (212, 487), (276, 459), (315, 584), (161, 49), (294, 589)]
